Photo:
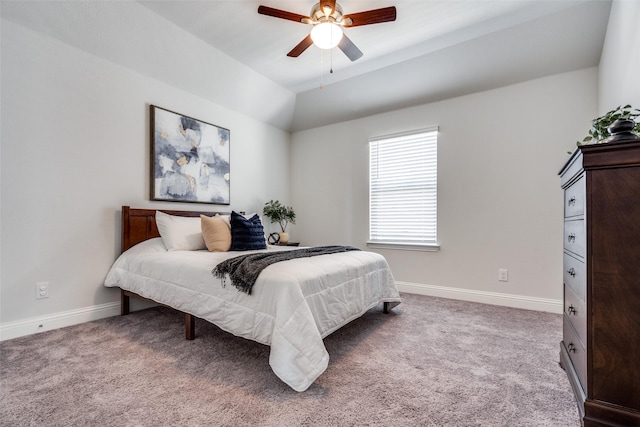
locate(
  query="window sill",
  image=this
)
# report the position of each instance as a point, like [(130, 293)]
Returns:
[(424, 247)]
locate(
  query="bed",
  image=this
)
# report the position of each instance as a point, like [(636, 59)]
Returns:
[(292, 307)]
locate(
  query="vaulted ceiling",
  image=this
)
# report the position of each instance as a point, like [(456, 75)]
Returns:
[(435, 50)]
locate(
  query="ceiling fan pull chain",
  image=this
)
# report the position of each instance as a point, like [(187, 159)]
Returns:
[(321, 68), (331, 59)]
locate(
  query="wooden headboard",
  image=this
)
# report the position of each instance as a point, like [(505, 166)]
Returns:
[(139, 225)]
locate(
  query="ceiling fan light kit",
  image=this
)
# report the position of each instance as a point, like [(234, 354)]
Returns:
[(326, 35), (328, 22)]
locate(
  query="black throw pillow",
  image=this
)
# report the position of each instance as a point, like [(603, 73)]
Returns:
[(247, 234)]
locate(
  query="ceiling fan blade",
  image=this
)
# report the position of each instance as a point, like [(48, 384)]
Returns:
[(349, 49), (328, 3), (375, 16), (301, 47), (283, 14)]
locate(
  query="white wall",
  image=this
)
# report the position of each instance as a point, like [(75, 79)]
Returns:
[(499, 197), (620, 61), (75, 147)]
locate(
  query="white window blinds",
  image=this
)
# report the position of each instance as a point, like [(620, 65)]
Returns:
[(403, 188)]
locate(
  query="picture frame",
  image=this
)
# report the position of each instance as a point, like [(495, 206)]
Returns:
[(190, 159)]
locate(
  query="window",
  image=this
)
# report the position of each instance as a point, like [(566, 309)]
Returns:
[(403, 181)]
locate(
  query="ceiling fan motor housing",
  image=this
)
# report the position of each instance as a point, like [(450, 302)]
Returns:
[(325, 14)]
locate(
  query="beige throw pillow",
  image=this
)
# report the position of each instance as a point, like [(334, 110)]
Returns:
[(216, 233)]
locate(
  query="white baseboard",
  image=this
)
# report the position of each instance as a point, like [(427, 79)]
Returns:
[(34, 325), (495, 298)]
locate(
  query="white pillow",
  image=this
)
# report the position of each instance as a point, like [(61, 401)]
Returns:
[(227, 219), (180, 233)]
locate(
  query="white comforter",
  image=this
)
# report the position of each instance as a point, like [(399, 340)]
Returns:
[(293, 304)]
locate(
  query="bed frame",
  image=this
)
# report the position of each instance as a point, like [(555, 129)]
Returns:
[(139, 225)]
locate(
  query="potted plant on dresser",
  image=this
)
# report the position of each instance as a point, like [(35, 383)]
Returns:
[(618, 124), (281, 214)]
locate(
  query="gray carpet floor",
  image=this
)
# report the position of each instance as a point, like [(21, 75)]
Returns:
[(431, 362)]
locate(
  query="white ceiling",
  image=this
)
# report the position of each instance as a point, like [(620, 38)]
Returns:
[(436, 49), (422, 27)]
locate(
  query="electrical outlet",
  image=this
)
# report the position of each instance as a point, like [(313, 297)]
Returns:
[(503, 275), (42, 290)]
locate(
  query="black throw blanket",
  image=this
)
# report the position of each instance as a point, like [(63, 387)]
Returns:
[(244, 270)]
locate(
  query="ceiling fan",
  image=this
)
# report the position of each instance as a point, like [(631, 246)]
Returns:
[(328, 20)]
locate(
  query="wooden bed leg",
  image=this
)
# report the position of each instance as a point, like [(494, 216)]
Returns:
[(388, 306), (190, 326), (124, 303)]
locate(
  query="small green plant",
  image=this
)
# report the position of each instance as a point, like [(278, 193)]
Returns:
[(279, 213), (599, 126)]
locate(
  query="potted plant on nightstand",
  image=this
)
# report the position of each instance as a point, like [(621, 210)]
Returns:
[(281, 214)]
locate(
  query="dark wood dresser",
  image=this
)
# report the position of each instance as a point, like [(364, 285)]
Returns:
[(600, 351)]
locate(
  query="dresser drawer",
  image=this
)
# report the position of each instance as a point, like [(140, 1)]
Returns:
[(576, 351), (575, 237), (575, 275), (575, 310), (574, 199), (572, 169)]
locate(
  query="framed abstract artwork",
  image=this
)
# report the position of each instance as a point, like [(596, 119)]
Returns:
[(189, 159)]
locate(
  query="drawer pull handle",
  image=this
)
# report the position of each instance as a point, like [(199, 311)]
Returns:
[(572, 310), (571, 237), (571, 272), (571, 348), (572, 201)]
